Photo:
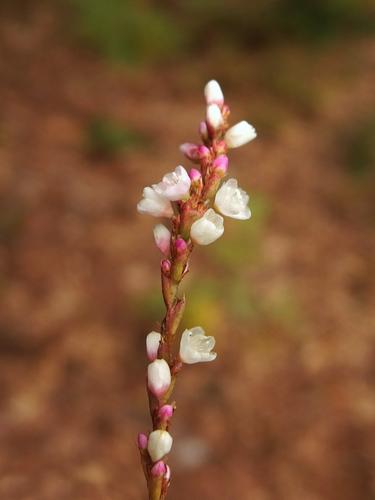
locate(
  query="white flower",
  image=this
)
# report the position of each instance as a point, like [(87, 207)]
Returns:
[(232, 201), (196, 347), (152, 345), (158, 377), (208, 228), (175, 185), (154, 204), (213, 93), (240, 134), (214, 116), (159, 444), (162, 237)]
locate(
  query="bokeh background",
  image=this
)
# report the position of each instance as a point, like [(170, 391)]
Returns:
[(95, 99)]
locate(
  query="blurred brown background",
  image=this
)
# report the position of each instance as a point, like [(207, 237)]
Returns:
[(95, 99)]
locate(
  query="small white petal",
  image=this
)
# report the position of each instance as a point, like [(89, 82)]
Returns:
[(232, 201), (240, 134), (196, 347), (174, 185), (154, 204), (208, 228), (159, 444)]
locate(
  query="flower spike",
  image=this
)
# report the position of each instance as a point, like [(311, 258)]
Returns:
[(195, 204)]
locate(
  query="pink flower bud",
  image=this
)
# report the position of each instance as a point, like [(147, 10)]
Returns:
[(158, 469), (162, 238), (165, 413), (203, 132), (167, 474), (204, 152), (190, 151), (180, 245), (142, 441), (166, 266), (221, 164), (195, 175)]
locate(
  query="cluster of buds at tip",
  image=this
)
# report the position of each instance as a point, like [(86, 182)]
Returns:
[(194, 202)]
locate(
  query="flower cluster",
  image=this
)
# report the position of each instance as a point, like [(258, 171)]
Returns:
[(194, 202)]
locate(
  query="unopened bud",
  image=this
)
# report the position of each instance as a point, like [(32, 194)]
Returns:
[(190, 151), (159, 444), (158, 469), (195, 175), (220, 164), (213, 93), (166, 266), (162, 238), (180, 245), (204, 152), (152, 345), (158, 377), (203, 132), (142, 441), (165, 413), (213, 116)]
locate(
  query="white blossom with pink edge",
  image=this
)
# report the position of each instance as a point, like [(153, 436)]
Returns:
[(154, 204), (162, 237), (158, 377), (174, 185), (152, 345), (213, 93), (208, 228), (232, 201), (196, 346)]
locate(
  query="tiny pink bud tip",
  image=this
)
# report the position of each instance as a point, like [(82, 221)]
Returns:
[(221, 163), (142, 441), (165, 412), (166, 266), (204, 152), (195, 175), (159, 469), (180, 245)]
